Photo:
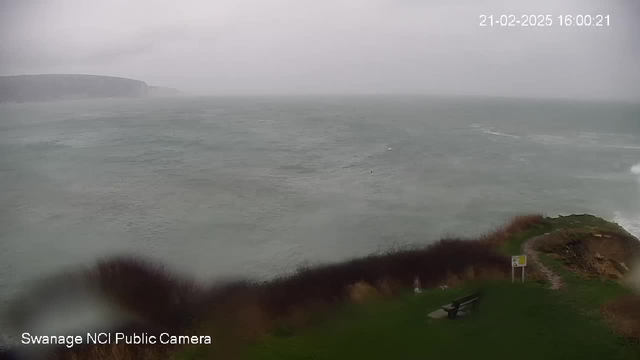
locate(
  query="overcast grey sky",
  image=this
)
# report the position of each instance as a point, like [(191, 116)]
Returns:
[(329, 46)]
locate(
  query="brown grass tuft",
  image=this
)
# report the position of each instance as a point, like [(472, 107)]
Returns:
[(623, 314), (518, 223), (154, 294), (327, 283), (362, 292), (387, 287), (119, 352)]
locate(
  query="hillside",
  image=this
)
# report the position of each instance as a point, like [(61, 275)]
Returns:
[(593, 316), (365, 307), (23, 88)]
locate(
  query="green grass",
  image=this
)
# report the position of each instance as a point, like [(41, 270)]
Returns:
[(585, 221), (514, 245), (514, 320), (523, 321), (584, 293), (571, 222), (526, 321)]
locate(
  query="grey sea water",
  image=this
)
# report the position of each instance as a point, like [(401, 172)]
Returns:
[(216, 187)]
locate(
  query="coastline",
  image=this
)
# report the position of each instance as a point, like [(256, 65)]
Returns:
[(141, 288)]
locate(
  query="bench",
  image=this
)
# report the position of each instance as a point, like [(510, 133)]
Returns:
[(463, 303)]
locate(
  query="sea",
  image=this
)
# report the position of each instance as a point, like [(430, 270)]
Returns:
[(222, 187)]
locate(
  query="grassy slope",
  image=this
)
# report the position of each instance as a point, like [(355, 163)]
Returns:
[(583, 293), (524, 321), (514, 245)]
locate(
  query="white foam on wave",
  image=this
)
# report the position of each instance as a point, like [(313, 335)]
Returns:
[(589, 135), (636, 169), (626, 147), (492, 131), (549, 139), (587, 139)]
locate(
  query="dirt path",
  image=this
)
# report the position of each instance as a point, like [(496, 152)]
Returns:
[(533, 255)]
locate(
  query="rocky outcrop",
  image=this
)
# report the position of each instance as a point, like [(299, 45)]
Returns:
[(592, 252), (24, 88)]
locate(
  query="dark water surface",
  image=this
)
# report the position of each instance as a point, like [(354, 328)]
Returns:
[(255, 186)]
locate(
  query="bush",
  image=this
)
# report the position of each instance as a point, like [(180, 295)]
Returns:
[(163, 301), (151, 292), (519, 223), (624, 315)]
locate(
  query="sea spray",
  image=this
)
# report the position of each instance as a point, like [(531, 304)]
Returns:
[(630, 223)]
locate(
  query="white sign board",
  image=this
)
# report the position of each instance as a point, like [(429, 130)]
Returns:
[(519, 261)]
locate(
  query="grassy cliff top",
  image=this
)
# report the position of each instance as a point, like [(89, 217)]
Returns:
[(523, 321), (365, 307)]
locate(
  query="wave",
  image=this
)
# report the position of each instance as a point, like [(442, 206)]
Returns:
[(586, 139), (636, 169), (497, 133), (590, 135), (626, 147), (549, 139)]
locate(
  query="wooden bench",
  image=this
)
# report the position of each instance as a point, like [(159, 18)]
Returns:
[(463, 303)]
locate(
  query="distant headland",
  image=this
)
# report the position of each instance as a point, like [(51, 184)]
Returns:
[(51, 87)]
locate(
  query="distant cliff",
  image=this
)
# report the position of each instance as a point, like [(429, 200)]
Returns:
[(23, 88)]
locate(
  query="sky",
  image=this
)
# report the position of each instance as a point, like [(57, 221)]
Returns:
[(291, 47)]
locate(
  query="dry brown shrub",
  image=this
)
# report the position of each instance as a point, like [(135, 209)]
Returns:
[(120, 352), (236, 308), (299, 316), (388, 287), (150, 291), (555, 240), (533, 274), (469, 274), (241, 311), (362, 292), (518, 223), (453, 280), (623, 314), (490, 273), (252, 322)]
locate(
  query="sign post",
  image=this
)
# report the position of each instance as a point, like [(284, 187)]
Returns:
[(518, 261)]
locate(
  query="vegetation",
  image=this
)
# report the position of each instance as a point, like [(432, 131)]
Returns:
[(515, 321), (524, 321), (363, 308), (516, 231)]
